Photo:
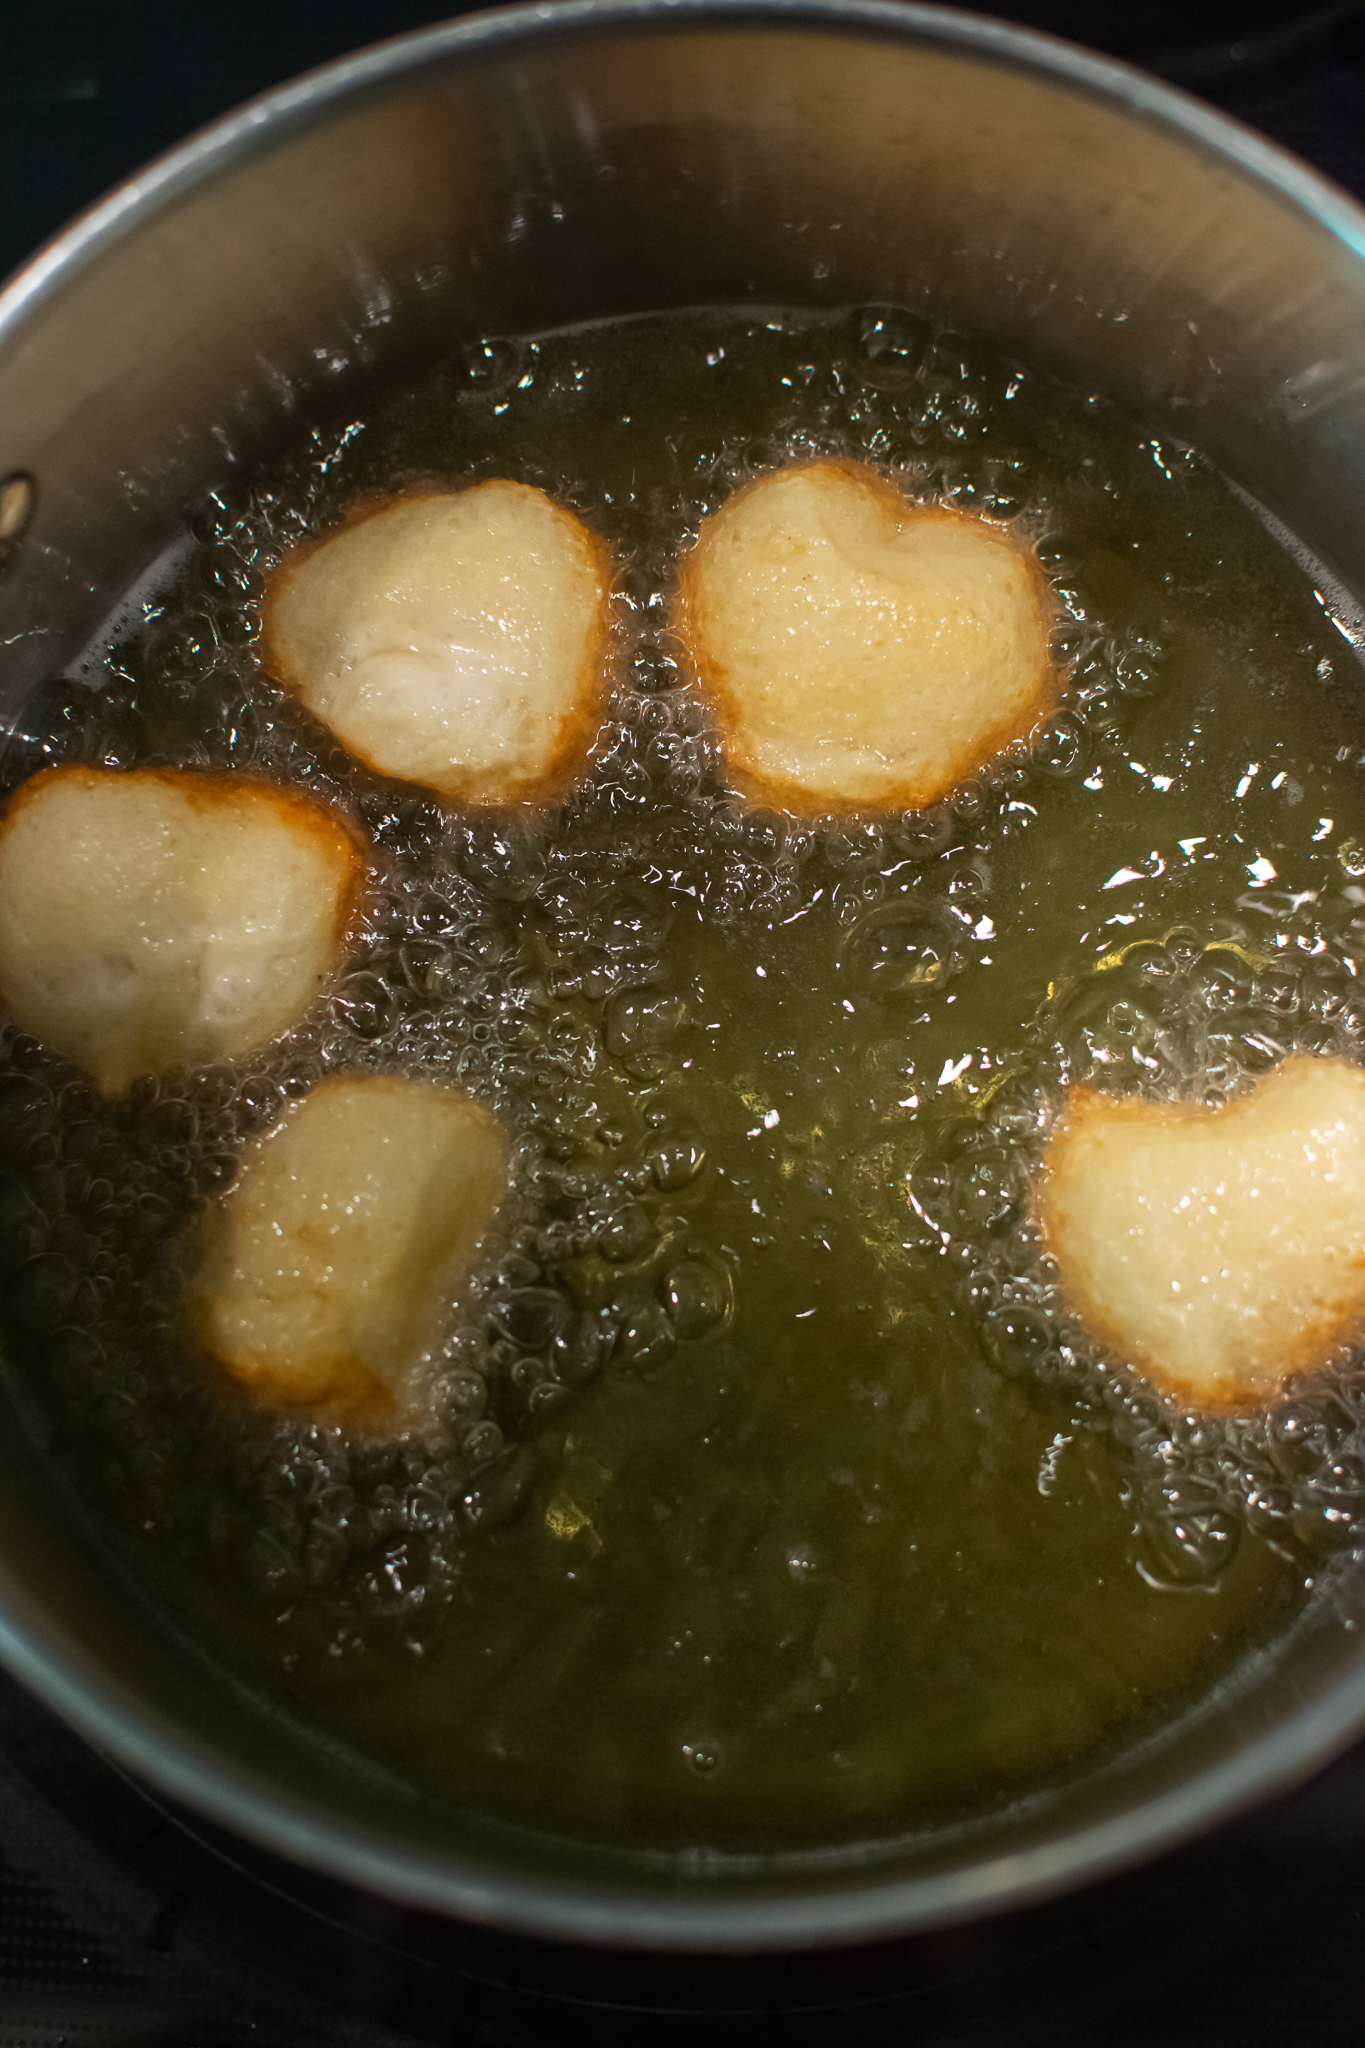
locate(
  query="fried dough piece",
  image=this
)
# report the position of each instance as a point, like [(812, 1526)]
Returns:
[(861, 650), (351, 1226), (1218, 1251), (158, 915), (454, 640)]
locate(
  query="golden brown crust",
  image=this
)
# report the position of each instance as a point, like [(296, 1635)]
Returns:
[(711, 678), (365, 1409), (1084, 1103), (357, 1400), (332, 828), (581, 722)]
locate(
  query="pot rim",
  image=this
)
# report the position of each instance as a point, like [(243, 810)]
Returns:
[(177, 170), (606, 1912)]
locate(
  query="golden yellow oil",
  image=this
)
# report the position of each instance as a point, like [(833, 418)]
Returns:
[(772, 1499)]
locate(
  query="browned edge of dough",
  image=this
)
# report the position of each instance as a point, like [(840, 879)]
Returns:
[(1083, 1101), (371, 1412), (204, 787), (797, 798), (579, 728)]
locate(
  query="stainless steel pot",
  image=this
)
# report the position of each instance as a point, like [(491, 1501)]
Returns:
[(557, 163)]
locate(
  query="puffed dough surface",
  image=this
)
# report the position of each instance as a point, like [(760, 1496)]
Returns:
[(1217, 1251), (861, 651), (454, 640), (335, 1256), (154, 916)]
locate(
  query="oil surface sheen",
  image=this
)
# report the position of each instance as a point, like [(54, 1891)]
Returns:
[(772, 1497)]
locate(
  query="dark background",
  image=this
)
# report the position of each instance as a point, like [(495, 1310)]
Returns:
[(90, 89), (125, 1925)]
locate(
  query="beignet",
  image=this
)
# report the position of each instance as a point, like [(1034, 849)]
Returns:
[(454, 639), (861, 650), (334, 1257), (157, 915), (1217, 1251)]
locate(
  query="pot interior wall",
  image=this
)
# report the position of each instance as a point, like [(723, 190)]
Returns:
[(505, 175), (522, 182)]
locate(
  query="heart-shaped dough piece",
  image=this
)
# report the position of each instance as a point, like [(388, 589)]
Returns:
[(861, 650), (335, 1256), (1217, 1251), (153, 916), (455, 639)]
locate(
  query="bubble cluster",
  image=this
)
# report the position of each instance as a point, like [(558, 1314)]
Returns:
[(555, 964), (1171, 1018)]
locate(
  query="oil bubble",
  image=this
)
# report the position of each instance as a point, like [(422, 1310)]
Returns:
[(894, 345), (499, 1492), (634, 923), (854, 847), (1341, 1480), (507, 865), (1186, 1552), (42, 1293), (676, 1160), (641, 1026), (986, 1193), (583, 1347), (1060, 748), (532, 1318), (857, 894), (902, 952), (492, 366), (698, 1297), (365, 1004), (272, 1569), (647, 1339), (1017, 1340), (481, 1445), (626, 1233)]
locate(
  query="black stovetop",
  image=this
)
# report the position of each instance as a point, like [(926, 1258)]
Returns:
[(126, 1925)]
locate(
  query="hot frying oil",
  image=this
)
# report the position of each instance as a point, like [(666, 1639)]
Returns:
[(772, 1496)]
